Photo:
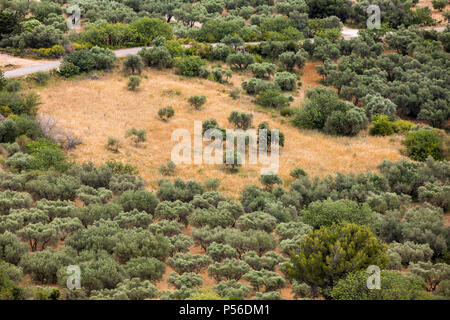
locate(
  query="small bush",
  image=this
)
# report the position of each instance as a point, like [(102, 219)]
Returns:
[(262, 70), (439, 4), (197, 101), (68, 69), (241, 120), (45, 155), (254, 86), (133, 83), (234, 94), (287, 111), (137, 135), (286, 81), (166, 113), (168, 169), (273, 98), (113, 144), (423, 143), (383, 126), (133, 63), (212, 184), (220, 52), (346, 124), (142, 200), (189, 66)]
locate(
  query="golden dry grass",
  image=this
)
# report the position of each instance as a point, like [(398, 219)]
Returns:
[(98, 109)]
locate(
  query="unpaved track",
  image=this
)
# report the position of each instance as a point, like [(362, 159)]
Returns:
[(347, 34)]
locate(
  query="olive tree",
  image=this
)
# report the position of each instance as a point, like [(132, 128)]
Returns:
[(268, 280), (182, 263), (219, 251), (241, 120), (229, 269), (133, 63)]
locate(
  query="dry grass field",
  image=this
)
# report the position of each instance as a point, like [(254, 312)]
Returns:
[(97, 109)]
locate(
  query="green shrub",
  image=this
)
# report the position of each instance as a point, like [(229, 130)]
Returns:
[(144, 245), (269, 180), (286, 81), (287, 111), (395, 286), (436, 194), (325, 213), (197, 101), (272, 98), (168, 169), (166, 113), (13, 85), (53, 187), (232, 289), (346, 123), (158, 56), (255, 86), (41, 77), (262, 70), (218, 75), (68, 69), (265, 279), (133, 63), (212, 184), (423, 143), (13, 200), (11, 249), (439, 4), (183, 263), (102, 273), (118, 167), (128, 289), (145, 268), (45, 155), (234, 94), (43, 266), (228, 269), (8, 131), (241, 120), (136, 135), (27, 126), (133, 83), (189, 66), (113, 144), (240, 60), (18, 162), (383, 126), (220, 52), (376, 104), (82, 59), (141, 200), (187, 279)]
